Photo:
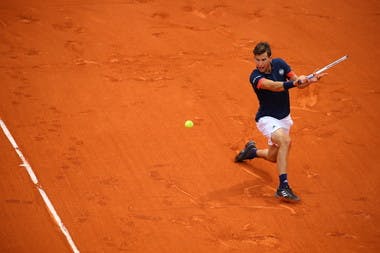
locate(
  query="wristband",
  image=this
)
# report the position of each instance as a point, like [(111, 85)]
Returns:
[(288, 85)]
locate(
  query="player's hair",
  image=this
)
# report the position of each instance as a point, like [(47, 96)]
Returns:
[(261, 48)]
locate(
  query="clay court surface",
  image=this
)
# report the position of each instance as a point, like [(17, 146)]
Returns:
[(96, 93)]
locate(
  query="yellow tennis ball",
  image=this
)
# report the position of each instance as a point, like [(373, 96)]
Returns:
[(189, 124)]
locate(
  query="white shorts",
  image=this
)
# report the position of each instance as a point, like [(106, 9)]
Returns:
[(267, 125)]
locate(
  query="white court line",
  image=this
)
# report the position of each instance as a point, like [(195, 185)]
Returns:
[(43, 194)]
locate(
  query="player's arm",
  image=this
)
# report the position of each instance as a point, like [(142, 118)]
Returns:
[(307, 81), (292, 76), (303, 82), (277, 86)]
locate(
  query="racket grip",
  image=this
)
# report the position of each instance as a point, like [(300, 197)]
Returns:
[(308, 77)]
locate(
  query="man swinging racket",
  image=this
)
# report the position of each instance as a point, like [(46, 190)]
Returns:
[(271, 81)]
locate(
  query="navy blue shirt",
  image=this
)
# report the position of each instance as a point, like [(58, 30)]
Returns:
[(274, 104)]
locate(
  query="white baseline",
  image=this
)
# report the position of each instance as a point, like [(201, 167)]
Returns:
[(43, 194)]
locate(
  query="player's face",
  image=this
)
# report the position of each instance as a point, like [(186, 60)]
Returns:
[(263, 62)]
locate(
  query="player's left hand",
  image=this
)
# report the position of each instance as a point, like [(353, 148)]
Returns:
[(302, 82), (316, 77), (306, 82)]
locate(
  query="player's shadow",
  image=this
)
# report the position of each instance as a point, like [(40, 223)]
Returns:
[(230, 192), (254, 187), (257, 172)]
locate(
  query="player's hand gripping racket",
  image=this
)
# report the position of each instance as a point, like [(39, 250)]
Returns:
[(320, 71)]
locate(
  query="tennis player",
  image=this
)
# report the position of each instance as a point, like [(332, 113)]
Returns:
[(271, 80)]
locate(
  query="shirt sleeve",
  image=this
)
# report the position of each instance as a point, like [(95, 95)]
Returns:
[(289, 73), (256, 79)]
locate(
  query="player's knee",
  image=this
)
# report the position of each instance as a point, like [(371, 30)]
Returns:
[(285, 141), (281, 139)]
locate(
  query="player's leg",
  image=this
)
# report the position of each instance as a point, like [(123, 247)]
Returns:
[(266, 125), (250, 151), (282, 140), (269, 154)]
